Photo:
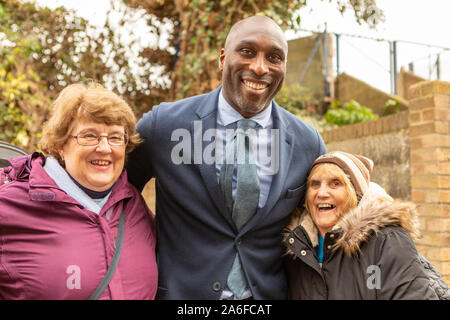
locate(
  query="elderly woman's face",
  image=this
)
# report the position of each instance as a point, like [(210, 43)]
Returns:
[(96, 167), (327, 198)]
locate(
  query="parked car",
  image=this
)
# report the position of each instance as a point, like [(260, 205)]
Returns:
[(8, 151)]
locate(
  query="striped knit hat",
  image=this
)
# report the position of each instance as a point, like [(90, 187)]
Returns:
[(357, 167)]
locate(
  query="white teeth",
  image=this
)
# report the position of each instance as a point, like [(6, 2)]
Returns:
[(254, 85), (325, 205), (100, 163)]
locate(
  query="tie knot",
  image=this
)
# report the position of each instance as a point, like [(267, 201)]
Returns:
[(246, 124)]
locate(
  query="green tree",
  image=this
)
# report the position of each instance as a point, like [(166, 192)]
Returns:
[(41, 52), (197, 30)]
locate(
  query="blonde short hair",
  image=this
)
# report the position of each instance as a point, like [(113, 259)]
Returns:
[(334, 170), (90, 102)]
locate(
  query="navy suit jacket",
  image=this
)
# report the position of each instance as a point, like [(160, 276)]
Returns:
[(197, 239)]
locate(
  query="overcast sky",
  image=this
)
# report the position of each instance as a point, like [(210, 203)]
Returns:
[(419, 21)]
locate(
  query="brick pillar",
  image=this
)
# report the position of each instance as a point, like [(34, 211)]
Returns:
[(429, 128)]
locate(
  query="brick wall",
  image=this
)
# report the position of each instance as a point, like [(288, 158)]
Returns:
[(386, 142), (429, 120), (348, 87), (406, 79), (298, 54)]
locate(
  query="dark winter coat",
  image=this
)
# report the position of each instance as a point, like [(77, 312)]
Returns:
[(369, 254)]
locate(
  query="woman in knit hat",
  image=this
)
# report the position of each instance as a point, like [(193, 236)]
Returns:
[(351, 240)]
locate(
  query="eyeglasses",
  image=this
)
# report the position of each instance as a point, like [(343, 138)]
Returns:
[(91, 139)]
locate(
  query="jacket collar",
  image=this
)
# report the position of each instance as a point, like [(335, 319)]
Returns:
[(43, 188), (374, 211), (207, 111), (209, 106)]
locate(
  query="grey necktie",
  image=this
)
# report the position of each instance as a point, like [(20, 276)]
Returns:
[(247, 190)]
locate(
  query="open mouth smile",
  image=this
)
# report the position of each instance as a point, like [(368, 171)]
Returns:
[(255, 85), (101, 163), (325, 207)]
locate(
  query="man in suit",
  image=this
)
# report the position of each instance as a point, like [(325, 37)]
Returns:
[(199, 240)]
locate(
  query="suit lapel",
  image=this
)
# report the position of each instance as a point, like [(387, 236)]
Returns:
[(207, 119)]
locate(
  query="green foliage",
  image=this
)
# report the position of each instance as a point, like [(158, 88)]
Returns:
[(41, 52), (348, 113), (301, 102), (21, 97), (197, 31), (44, 50), (14, 123), (294, 98), (392, 106), (316, 120)]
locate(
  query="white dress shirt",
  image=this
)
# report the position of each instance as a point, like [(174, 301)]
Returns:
[(227, 118)]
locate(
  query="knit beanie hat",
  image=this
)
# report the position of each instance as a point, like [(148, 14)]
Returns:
[(357, 167)]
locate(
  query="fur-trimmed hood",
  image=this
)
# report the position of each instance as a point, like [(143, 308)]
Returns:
[(375, 210)]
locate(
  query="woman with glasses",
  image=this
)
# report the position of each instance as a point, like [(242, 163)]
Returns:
[(72, 227)]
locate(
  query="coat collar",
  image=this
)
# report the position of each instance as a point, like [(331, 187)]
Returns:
[(43, 188), (375, 211)]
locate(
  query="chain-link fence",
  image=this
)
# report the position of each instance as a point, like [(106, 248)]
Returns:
[(378, 61)]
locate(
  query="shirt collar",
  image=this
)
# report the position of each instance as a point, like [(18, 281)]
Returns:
[(228, 115)]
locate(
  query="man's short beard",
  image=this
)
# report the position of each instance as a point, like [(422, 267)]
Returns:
[(249, 107)]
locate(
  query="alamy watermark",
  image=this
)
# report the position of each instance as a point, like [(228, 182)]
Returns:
[(74, 279), (374, 280), (208, 147)]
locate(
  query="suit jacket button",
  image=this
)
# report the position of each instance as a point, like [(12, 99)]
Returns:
[(216, 286)]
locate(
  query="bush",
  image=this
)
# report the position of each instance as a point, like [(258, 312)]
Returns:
[(316, 120), (391, 106), (295, 98), (348, 113)]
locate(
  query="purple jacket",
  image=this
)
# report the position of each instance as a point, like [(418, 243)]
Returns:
[(53, 248)]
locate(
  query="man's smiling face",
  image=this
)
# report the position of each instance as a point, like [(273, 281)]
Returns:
[(253, 63)]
